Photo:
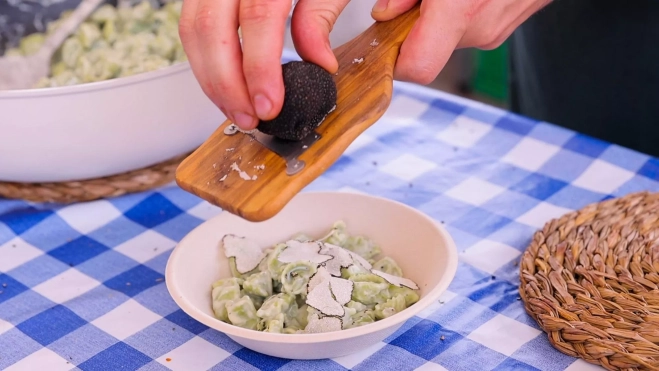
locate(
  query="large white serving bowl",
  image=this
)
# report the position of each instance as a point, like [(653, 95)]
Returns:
[(424, 250), (103, 128)]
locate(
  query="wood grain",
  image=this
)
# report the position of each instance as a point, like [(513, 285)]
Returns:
[(364, 93)]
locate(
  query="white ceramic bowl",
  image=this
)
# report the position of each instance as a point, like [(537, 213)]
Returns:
[(422, 248), (103, 128)]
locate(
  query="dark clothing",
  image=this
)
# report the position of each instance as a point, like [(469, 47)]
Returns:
[(591, 66)]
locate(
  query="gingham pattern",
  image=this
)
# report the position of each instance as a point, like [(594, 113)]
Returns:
[(82, 285)]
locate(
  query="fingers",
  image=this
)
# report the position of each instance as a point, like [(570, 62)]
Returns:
[(431, 41), (526, 14), (497, 21), (263, 24), (190, 43), (385, 10), (446, 25), (311, 25), (216, 51)]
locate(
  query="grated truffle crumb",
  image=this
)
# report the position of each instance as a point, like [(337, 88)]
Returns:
[(242, 174)]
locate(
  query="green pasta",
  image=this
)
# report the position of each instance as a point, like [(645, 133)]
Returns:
[(259, 284), (242, 313), (305, 285), (111, 43), (295, 277)]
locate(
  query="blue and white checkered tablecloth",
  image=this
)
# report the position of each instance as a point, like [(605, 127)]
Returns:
[(82, 286)]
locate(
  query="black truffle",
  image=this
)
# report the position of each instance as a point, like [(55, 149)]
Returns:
[(310, 94)]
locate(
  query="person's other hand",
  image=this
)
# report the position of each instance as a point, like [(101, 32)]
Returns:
[(247, 84), (447, 25)]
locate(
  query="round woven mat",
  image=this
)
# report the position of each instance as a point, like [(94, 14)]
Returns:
[(590, 280), (92, 189)]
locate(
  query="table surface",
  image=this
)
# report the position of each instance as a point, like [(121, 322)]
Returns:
[(82, 286)]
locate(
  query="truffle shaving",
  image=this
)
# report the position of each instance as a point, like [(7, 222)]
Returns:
[(248, 254), (307, 251), (324, 324), (360, 260), (321, 275), (395, 280), (322, 300), (341, 258), (342, 289)]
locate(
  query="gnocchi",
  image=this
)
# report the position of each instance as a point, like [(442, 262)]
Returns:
[(308, 286), (111, 43)]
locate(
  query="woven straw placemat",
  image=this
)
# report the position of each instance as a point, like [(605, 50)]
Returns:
[(590, 280), (93, 189)]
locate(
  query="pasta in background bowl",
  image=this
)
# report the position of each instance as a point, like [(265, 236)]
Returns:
[(113, 42), (121, 97), (420, 248)]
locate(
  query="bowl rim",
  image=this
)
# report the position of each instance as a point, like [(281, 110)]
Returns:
[(118, 82), (260, 336), (176, 68)]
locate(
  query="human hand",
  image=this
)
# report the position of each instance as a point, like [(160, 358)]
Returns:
[(447, 25), (247, 84)]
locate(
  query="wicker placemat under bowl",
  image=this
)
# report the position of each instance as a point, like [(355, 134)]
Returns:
[(590, 279), (93, 189)]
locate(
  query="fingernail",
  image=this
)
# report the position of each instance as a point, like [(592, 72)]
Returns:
[(262, 106), (380, 6), (243, 120)]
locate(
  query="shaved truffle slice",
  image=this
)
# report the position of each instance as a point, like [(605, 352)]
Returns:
[(248, 253), (309, 96), (321, 275), (341, 258), (322, 300), (324, 324), (395, 280), (302, 251), (360, 260), (342, 289)]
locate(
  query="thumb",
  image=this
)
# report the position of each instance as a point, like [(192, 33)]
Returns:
[(311, 25), (385, 10)]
